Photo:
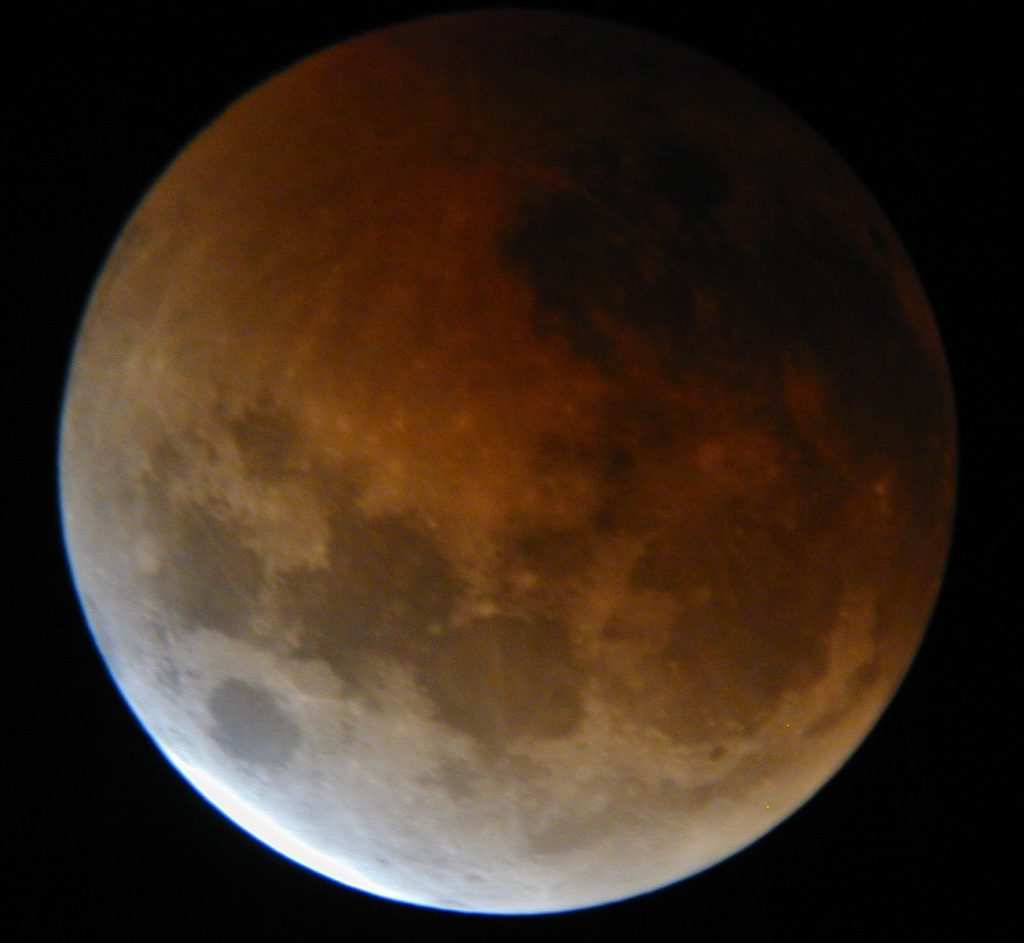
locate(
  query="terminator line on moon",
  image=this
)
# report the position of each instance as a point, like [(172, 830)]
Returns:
[(508, 462)]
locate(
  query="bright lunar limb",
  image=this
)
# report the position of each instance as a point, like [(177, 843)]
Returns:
[(508, 462)]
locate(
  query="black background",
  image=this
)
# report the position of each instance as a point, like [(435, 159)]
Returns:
[(104, 837)]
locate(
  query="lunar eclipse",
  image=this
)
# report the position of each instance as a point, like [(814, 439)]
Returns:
[(508, 462)]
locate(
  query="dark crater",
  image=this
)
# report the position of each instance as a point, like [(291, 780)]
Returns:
[(250, 725)]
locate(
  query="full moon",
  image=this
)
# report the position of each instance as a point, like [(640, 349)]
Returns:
[(508, 462)]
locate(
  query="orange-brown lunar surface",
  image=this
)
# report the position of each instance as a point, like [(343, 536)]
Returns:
[(508, 462)]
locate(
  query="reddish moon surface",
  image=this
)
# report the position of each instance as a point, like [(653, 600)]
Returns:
[(508, 462)]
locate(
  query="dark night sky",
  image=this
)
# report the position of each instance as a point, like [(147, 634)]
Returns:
[(107, 838)]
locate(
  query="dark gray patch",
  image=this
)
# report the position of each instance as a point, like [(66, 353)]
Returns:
[(207, 576), (267, 439), (251, 726)]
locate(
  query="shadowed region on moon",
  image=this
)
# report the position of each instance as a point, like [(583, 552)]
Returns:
[(523, 484), (617, 242), (249, 724)]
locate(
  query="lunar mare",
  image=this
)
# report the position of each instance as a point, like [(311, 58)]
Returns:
[(508, 462)]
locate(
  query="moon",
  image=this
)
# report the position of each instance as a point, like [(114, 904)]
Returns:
[(508, 462)]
